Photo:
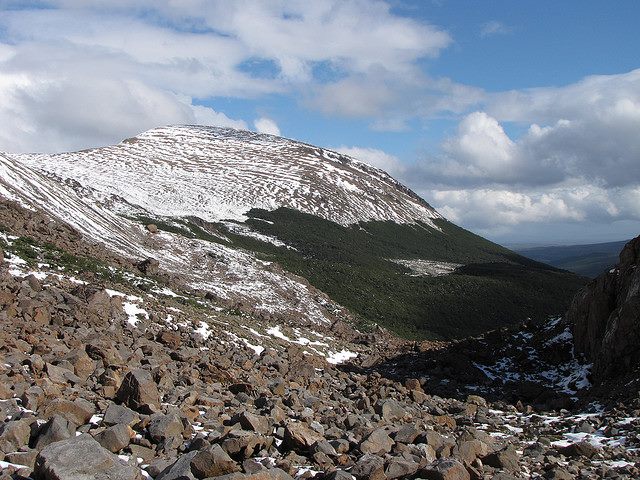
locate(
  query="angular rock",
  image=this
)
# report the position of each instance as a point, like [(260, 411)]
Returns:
[(445, 469), (14, 435), (369, 467), (212, 461), (580, 449), (180, 469), (114, 438), (139, 392), (257, 423), (78, 412), (56, 429), (401, 468), (507, 459), (390, 410), (116, 414), (162, 427), (81, 458), (300, 437), (377, 443)]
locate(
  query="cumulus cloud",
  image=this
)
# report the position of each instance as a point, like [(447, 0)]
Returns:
[(266, 125), (377, 158), (574, 158), (140, 63)]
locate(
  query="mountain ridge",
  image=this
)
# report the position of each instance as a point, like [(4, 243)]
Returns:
[(264, 222)]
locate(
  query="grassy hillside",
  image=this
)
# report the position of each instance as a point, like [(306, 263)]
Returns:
[(352, 265), (588, 260)]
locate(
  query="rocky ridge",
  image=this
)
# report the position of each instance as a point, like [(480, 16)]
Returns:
[(606, 318), (109, 370)]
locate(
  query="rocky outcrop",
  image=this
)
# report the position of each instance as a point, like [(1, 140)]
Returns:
[(606, 317)]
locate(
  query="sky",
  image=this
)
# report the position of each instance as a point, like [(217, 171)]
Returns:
[(517, 120)]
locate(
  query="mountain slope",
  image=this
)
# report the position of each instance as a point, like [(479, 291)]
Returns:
[(588, 260), (267, 225)]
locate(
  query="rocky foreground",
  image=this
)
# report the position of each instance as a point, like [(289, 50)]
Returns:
[(93, 385)]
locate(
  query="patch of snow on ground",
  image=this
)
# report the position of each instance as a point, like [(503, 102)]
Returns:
[(133, 310), (245, 231), (275, 332), (340, 357), (204, 330), (430, 268)]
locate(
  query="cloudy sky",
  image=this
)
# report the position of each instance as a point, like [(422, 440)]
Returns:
[(517, 120)]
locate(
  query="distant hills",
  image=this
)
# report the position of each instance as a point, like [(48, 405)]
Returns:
[(588, 260)]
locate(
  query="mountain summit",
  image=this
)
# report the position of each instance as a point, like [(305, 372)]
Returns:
[(221, 173), (279, 227)]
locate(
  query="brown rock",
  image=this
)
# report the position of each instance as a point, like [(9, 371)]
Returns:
[(445, 469), (213, 461), (139, 392)]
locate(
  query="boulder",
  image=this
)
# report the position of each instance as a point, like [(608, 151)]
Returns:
[(377, 443), (14, 435), (369, 467), (212, 461), (78, 412), (56, 429), (139, 392), (81, 458), (114, 438), (300, 437), (445, 469)]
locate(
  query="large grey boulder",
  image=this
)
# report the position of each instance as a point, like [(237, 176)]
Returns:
[(81, 458)]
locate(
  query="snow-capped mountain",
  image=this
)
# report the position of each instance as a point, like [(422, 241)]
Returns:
[(221, 173), (329, 225)]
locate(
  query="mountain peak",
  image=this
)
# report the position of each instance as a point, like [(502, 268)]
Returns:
[(221, 173)]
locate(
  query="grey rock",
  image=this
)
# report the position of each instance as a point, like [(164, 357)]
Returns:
[(180, 469), (115, 414), (81, 458), (139, 392), (445, 469), (212, 462), (114, 438), (56, 429)]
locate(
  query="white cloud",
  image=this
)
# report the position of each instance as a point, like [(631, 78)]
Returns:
[(494, 27), (266, 125), (173, 52), (377, 158)]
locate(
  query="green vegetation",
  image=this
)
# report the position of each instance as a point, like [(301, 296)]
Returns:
[(352, 265), (34, 252)]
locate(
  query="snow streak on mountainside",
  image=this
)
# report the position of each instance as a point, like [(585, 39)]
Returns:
[(213, 174), (221, 173), (234, 276)]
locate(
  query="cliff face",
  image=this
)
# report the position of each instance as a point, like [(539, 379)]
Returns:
[(606, 317)]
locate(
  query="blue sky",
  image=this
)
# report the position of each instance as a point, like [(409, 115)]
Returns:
[(517, 120)]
